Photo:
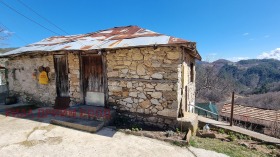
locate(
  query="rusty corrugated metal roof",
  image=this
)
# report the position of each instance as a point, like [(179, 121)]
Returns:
[(117, 37), (251, 114)]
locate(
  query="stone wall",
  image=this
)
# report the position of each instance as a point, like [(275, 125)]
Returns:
[(144, 82), (75, 92), (24, 86)]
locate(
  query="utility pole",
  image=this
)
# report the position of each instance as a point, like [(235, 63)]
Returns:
[(231, 112)]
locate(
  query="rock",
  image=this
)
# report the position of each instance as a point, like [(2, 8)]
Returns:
[(173, 55), (156, 65), (152, 119), (208, 135), (129, 100), (141, 69), (126, 62), (142, 95), (124, 71), (133, 94), (137, 56), (139, 89), (122, 103), (170, 95), (114, 88), (113, 74), (129, 105), (159, 107), (167, 121), (145, 104), (135, 100), (168, 113), (154, 110), (167, 61), (140, 110), (157, 76), (122, 84), (155, 102), (164, 86), (125, 94), (129, 85), (247, 145), (156, 95), (149, 86)]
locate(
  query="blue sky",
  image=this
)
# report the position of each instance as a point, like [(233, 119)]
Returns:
[(222, 28)]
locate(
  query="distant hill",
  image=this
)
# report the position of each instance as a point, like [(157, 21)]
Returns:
[(253, 76), (3, 50)]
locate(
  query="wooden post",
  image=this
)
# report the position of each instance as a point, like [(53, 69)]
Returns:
[(231, 112)]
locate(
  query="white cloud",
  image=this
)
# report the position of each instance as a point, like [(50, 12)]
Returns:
[(245, 34), (213, 54), (275, 54), (236, 59), (7, 32), (210, 57)]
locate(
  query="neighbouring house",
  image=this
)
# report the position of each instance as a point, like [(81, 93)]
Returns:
[(138, 72), (258, 119)]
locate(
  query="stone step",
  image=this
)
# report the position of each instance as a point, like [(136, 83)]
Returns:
[(91, 126), (84, 112)]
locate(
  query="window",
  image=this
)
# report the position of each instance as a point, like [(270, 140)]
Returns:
[(192, 72)]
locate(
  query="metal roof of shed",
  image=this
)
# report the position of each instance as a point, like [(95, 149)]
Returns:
[(117, 37)]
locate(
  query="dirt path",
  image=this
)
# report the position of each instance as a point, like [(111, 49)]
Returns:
[(22, 137)]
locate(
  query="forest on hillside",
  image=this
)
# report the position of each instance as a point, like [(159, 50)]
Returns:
[(255, 81)]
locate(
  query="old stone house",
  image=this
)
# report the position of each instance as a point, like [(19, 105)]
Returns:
[(139, 72)]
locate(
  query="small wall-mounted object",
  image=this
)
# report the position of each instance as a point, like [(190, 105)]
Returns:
[(43, 78), (41, 68), (47, 69)]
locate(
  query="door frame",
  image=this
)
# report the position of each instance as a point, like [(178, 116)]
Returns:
[(104, 73)]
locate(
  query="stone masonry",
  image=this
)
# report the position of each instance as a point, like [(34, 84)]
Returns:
[(75, 92), (27, 88), (145, 82)]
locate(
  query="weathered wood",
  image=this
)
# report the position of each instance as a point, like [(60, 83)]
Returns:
[(92, 70), (61, 71)]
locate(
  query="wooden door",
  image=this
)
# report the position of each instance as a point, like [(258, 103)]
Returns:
[(92, 80), (61, 70)]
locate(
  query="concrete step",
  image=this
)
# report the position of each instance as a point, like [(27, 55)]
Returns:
[(91, 126), (189, 122)]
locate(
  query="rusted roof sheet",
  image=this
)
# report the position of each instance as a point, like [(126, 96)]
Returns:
[(117, 37), (252, 114)]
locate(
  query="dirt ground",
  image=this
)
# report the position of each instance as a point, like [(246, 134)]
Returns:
[(24, 137)]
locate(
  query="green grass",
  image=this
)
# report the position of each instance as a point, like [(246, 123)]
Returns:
[(229, 148)]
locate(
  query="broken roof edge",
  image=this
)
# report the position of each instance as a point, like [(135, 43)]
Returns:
[(188, 45)]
